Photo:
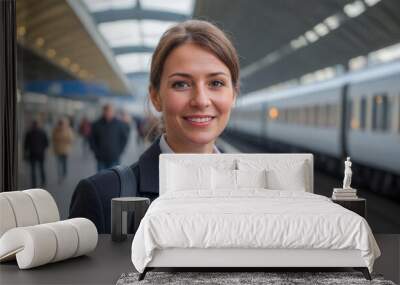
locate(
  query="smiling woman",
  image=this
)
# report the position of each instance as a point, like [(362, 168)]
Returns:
[(194, 81)]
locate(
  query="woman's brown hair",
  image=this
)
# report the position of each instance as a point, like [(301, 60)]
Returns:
[(201, 33)]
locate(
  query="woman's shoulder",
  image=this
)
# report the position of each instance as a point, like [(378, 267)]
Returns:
[(111, 173)]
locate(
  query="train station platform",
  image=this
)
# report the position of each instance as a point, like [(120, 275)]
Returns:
[(81, 164)]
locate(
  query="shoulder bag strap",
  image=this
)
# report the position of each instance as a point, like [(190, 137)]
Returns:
[(127, 180)]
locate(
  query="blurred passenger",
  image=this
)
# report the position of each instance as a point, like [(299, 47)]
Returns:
[(194, 81), (127, 120), (139, 124), (35, 145), (108, 139), (62, 138), (84, 130), (71, 120)]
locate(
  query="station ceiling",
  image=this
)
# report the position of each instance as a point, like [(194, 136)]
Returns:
[(52, 29), (269, 35), (276, 40)]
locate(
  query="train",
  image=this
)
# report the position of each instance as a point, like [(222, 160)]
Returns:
[(356, 114)]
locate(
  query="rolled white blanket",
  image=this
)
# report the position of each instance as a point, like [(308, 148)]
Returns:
[(26, 208), (7, 218), (40, 244), (45, 206)]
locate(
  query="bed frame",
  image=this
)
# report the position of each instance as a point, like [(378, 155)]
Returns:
[(241, 259)]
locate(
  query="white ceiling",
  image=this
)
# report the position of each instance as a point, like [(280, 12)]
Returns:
[(134, 32)]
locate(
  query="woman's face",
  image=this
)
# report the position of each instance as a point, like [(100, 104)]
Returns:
[(195, 97)]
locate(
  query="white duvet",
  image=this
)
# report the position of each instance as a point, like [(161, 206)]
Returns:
[(252, 218)]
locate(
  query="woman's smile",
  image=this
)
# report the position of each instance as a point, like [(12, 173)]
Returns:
[(199, 120)]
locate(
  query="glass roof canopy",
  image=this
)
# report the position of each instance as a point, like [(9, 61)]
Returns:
[(132, 28)]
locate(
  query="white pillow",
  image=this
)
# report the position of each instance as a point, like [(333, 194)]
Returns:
[(188, 177), (224, 179), (251, 178), (287, 178)]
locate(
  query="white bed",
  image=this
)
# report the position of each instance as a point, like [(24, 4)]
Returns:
[(247, 210)]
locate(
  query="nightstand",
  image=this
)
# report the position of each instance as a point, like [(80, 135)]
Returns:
[(124, 209), (358, 206)]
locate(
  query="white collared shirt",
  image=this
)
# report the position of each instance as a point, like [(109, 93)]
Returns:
[(165, 148)]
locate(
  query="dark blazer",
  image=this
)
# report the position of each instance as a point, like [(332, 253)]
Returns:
[(92, 196)]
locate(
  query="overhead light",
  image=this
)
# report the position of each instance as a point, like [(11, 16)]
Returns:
[(321, 29), (134, 62), (354, 9), (385, 54), (177, 6), (103, 5), (39, 42), (311, 36), (332, 22), (298, 42), (21, 31), (51, 53), (358, 62), (121, 33), (65, 61), (371, 3), (75, 68), (329, 72), (83, 73), (152, 31)]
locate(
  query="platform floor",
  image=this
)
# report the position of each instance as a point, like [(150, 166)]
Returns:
[(81, 164)]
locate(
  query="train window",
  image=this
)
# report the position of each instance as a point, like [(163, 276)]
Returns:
[(293, 115), (284, 116), (307, 116), (302, 118), (349, 112), (363, 113), (290, 116), (327, 115), (380, 112), (316, 116), (387, 101), (327, 111), (279, 116), (311, 116), (398, 113), (333, 115), (294, 111)]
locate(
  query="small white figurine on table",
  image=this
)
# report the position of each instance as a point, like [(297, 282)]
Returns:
[(347, 174), (346, 192)]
